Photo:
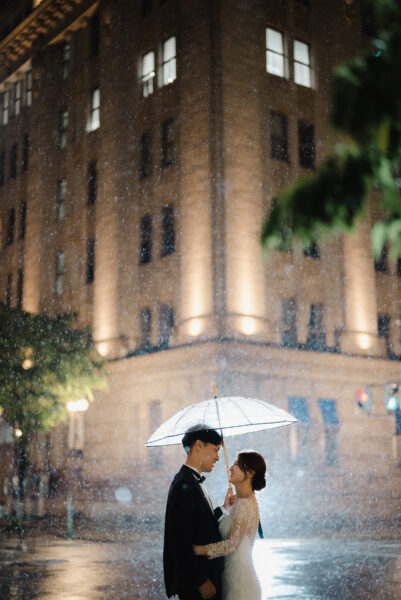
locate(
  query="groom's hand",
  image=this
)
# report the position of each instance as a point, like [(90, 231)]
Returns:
[(229, 499), (207, 590)]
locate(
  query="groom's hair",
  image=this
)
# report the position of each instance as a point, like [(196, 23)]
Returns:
[(203, 433)]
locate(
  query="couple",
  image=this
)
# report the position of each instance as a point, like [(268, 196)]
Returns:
[(208, 552)]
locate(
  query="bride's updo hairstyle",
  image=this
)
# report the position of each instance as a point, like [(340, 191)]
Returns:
[(249, 460)]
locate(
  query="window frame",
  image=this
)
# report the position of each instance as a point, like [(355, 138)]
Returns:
[(148, 78), (270, 51)]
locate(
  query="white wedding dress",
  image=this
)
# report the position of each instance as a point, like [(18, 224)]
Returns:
[(238, 529)]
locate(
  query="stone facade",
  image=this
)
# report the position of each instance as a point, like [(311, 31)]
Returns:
[(210, 158)]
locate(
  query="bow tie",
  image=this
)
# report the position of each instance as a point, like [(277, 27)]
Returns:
[(199, 478)]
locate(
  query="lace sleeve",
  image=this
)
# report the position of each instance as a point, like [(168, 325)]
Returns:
[(240, 527)]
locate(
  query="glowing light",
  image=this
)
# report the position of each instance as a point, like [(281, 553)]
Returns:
[(392, 403), (103, 348), (247, 325), (195, 327), (18, 433), (364, 341), (27, 364), (77, 405)]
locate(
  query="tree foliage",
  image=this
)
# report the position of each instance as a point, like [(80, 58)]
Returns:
[(366, 107), (44, 363)]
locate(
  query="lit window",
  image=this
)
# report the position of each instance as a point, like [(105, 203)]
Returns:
[(94, 119), (148, 73), (17, 98), (28, 88), (61, 196), (63, 128), (302, 68), (169, 61), (275, 63), (59, 273), (65, 60), (5, 111)]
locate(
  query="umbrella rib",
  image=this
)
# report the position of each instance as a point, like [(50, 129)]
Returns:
[(241, 411)]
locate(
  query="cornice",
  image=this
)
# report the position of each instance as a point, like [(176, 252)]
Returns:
[(46, 22)]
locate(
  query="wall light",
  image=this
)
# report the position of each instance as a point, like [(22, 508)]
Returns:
[(77, 405), (247, 325), (364, 341), (195, 327)]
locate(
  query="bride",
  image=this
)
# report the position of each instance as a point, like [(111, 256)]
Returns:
[(238, 529)]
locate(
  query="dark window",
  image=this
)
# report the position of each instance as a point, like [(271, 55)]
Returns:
[(316, 332), (146, 240), (2, 166), (155, 455), (368, 19), (146, 327), (63, 124), (65, 60), (289, 321), (383, 326), (13, 161), (381, 263), (399, 267), (146, 153), (92, 183), (25, 152), (278, 136), (167, 231), (9, 286), (306, 145), (167, 144), (90, 262), (94, 35), (331, 424), (301, 445), (166, 324), (146, 7), (22, 220), (10, 228), (60, 201), (20, 287), (312, 251)]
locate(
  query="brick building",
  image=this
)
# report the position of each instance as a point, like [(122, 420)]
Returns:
[(141, 144)]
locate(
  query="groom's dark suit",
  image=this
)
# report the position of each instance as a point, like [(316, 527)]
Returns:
[(189, 521)]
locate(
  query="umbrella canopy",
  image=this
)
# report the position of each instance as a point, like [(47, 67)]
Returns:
[(233, 415)]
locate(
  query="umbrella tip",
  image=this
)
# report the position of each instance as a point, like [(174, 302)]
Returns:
[(214, 390)]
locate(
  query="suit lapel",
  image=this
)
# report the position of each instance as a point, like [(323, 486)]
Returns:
[(190, 477)]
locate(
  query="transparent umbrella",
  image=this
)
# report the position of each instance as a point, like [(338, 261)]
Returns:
[(232, 415)]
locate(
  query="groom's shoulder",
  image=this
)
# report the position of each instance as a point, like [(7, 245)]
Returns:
[(182, 481)]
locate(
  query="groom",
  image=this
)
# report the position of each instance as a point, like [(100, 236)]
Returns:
[(190, 520)]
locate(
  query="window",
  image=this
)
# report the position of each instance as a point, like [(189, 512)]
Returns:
[(278, 136), (13, 161), (2, 167), (383, 326), (94, 35), (5, 106), (92, 183), (300, 443), (146, 327), (9, 286), (302, 68), (275, 62), (65, 60), (17, 98), (20, 287), (22, 220), (169, 64), (63, 124), (146, 240), (381, 263), (59, 273), (25, 152), (316, 332), (148, 73), (398, 259), (155, 419), (28, 88), (167, 144), (167, 231), (90, 262), (166, 324), (312, 251), (289, 323), (306, 145), (146, 154), (94, 118), (332, 423), (11, 226), (61, 196), (146, 7)]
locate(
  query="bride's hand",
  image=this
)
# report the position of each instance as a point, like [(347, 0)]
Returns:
[(229, 499), (199, 550)]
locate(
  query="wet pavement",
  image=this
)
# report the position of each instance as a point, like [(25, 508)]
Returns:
[(129, 567)]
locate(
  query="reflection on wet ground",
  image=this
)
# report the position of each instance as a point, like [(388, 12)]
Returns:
[(309, 569)]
